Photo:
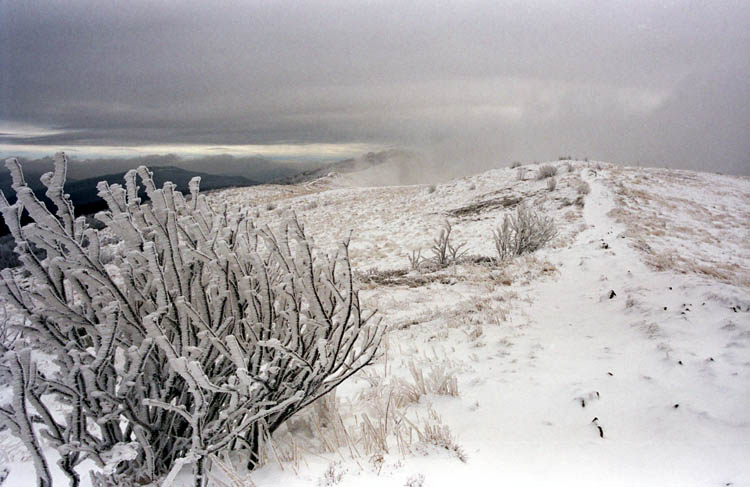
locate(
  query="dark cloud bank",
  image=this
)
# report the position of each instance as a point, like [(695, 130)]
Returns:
[(469, 84)]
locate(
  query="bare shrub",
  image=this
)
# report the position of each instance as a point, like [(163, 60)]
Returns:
[(201, 340), (524, 232), (546, 171), (551, 184), (444, 253), (415, 260)]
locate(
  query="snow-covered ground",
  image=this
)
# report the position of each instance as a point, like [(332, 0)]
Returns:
[(618, 355)]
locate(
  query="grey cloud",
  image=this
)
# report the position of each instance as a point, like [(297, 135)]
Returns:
[(469, 82)]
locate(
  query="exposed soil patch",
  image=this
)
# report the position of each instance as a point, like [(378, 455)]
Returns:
[(507, 201), (401, 277)]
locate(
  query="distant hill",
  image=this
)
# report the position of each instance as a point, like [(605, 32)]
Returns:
[(352, 165), (83, 192), (257, 169)]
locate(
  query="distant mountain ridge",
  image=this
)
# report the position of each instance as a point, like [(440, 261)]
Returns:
[(257, 169), (216, 172), (351, 165)]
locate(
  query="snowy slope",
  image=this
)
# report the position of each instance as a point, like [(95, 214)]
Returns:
[(518, 360)]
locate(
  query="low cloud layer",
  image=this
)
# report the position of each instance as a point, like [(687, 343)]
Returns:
[(470, 84)]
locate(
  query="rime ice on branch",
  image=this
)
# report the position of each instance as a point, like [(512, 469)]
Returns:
[(211, 335)]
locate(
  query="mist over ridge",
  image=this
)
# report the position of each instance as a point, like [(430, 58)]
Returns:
[(466, 84)]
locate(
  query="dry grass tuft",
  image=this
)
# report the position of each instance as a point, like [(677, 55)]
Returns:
[(437, 434), (439, 381)]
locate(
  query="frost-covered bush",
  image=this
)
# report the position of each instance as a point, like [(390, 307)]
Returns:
[(551, 184), (583, 188), (444, 252), (524, 232), (8, 336), (546, 171), (203, 334)]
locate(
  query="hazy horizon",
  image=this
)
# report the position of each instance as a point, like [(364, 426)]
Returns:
[(470, 85)]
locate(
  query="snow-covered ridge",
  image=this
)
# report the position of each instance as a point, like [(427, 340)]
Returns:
[(594, 361)]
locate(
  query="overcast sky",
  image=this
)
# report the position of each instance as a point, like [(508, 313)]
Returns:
[(471, 84)]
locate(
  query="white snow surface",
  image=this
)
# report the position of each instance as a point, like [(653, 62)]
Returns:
[(538, 347)]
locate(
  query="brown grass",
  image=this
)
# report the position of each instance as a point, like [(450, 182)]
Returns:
[(656, 220)]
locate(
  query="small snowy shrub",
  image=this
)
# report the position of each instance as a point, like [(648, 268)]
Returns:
[(444, 253), (551, 184), (204, 335), (583, 188), (546, 171), (515, 164), (524, 232)]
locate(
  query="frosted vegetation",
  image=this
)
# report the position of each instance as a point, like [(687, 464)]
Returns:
[(205, 333), (522, 233)]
